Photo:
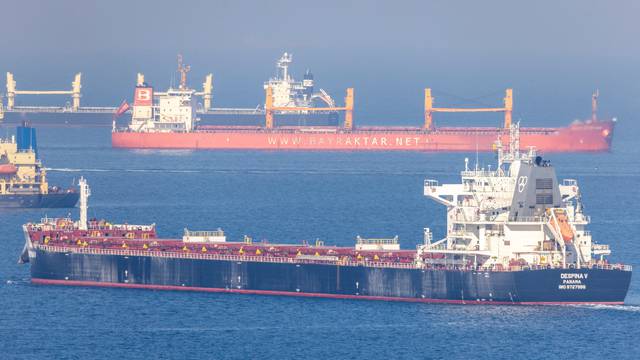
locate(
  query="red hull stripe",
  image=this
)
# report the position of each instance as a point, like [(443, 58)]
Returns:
[(584, 137), (303, 294)]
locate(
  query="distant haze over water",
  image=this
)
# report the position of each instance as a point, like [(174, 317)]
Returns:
[(554, 54)]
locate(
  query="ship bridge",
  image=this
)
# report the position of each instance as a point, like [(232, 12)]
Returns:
[(516, 213)]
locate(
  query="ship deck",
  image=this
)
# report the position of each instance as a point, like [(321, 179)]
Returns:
[(142, 240), (398, 129), (132, 239), (444, 130), (370, 130)]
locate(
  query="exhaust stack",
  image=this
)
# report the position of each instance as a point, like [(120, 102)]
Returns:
[(85, 192)]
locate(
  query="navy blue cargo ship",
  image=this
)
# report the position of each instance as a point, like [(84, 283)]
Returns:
[(23, 181), (514, 236)]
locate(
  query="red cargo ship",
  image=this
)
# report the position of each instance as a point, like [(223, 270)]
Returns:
[(171, 124)]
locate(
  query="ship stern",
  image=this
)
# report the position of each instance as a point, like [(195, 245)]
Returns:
[(598, 285)]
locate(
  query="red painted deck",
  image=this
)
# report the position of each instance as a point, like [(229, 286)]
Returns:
[(131, 238)]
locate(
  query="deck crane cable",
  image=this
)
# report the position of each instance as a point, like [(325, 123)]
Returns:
[(474, 100)]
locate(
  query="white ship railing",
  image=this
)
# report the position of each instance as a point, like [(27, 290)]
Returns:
[(438, 246), (532, 219), (482, 173), (205, 233), (538, 219), (381, 241), (63, 109), (51, 224), (430, 183)]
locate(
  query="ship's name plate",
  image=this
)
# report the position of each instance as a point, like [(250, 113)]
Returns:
[(573, 281)]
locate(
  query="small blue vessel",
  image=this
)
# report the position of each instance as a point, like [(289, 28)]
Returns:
[(23, 180)]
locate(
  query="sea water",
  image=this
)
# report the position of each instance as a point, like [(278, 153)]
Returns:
[(288, 197)]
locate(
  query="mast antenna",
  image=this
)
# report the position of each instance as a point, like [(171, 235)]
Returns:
[(283, 65), (514, 141), (594, 105), (477, 157), (183, 70)]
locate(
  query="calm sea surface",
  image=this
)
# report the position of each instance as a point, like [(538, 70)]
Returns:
[(290, 197)]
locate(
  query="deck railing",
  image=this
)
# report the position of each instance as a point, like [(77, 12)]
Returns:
[(238, 258)]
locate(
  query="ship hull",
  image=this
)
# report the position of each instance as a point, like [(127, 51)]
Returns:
[(60, 119), (88, 119), (62, 200), (550, 286), (593, 137)]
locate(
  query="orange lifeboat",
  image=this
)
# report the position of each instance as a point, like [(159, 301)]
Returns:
[(8, 169), (565, 228)]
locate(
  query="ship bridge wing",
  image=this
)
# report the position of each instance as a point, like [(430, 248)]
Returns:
[(444, 194), (569, 189)]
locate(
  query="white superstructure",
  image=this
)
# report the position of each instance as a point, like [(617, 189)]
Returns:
[(175, 109), (204, 237), (172, 111), (290, 93), (515, 215)]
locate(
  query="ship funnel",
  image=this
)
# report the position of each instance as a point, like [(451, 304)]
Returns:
[(26, 138), (307, 84), (85, 192)]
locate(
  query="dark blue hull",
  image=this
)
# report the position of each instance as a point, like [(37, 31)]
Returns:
[(551, 286), (62, 200)]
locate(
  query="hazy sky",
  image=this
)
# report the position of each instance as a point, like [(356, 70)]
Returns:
[(553, 53)]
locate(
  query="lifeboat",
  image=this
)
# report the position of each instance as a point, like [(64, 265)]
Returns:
[(8, 169), (563, 223)]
